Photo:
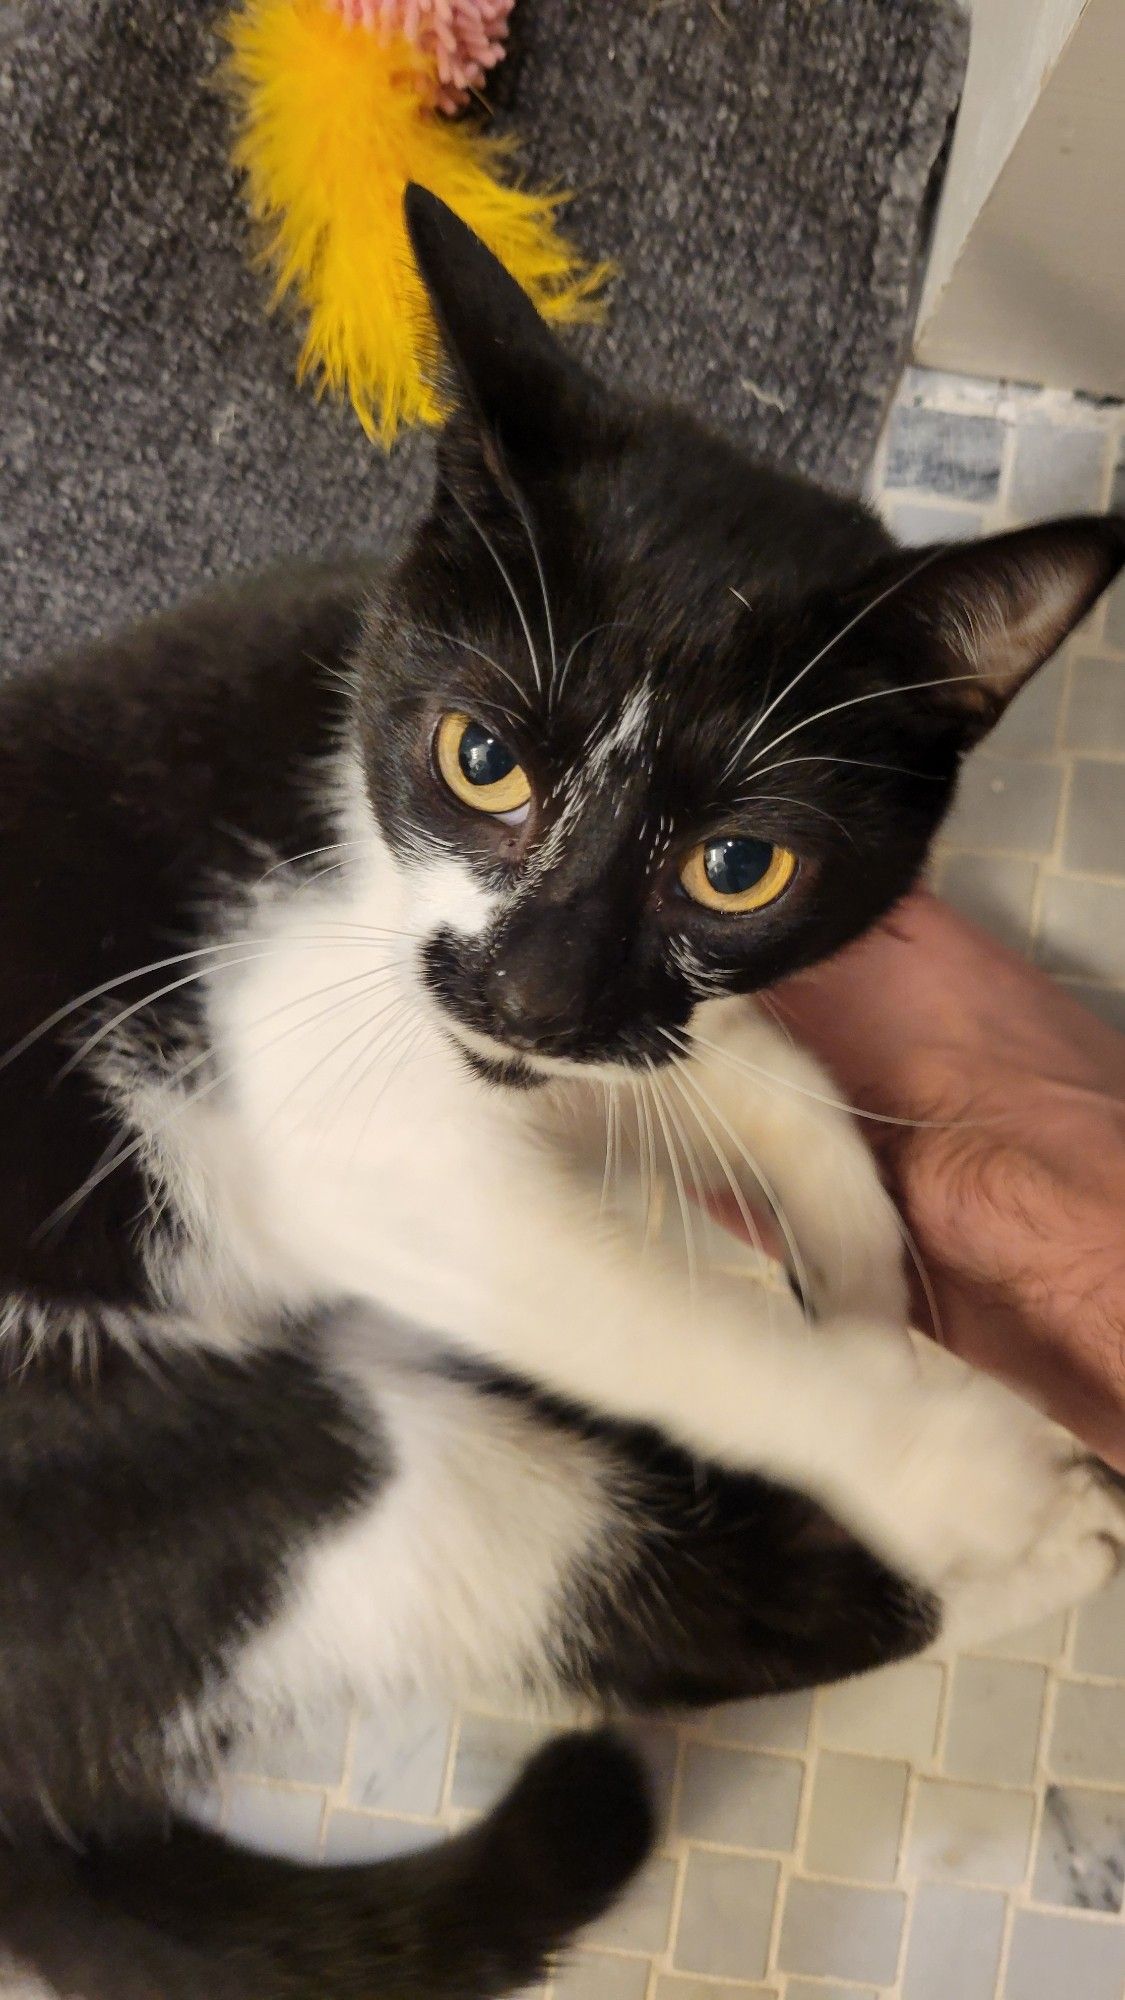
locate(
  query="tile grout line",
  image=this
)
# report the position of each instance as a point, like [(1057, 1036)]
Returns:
[(1109, 462), (351, 1743), (1006, 1936), (1039, 1779), (902, 1877), (1008, 444), (793, 1865), (1011, 1906), (1070, 1642), (664, 1960), (326, 1811), (1012, 403), (336, 1794), (445, 1794), (944, 1716)]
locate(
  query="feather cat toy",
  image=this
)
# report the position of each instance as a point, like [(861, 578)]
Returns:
[(341, 103), (465, 38)]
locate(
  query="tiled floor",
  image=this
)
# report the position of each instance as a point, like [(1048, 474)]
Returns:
[(1036, 844), (932, 1833)]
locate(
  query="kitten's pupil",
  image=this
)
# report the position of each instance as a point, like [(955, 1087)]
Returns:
[(734, 865), (482, 756)]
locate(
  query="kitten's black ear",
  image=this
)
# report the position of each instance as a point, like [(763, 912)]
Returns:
[(525, 393), (993, 611)]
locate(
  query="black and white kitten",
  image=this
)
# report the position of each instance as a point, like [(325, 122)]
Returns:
[(375, 945)]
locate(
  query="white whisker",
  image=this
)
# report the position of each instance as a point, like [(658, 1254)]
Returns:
[(865, 611), (308, 854), (746, 1213), (691, 1080), (617, 1145), (801, 805), (836, 1103), (521, 508), (915, 1255), (691, 1156), (392, 1055), (338, 924), (454, 639), (856, 763), (322, 874), (375, 987), (646, 1160), (767, 1006), (610, 1108), (340, 1089), (498, 559), (503, 708), (609, 625), (307, 941), (116, 1154), (161, 992), (345, 677), (677, 1178), (383, 1041), (878, 694)]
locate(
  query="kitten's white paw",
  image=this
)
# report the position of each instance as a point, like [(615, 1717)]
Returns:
[(1077, 1553), (964, 1489), (991, 1498), (862, 1274), (849, 1261)]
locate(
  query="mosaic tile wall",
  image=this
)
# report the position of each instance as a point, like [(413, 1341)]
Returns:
[(932, 1833)]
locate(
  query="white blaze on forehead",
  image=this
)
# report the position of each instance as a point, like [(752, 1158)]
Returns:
[(622, 737), (624, 734), (443, 890)]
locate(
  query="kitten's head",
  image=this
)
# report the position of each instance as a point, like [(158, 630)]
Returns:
[(646, 721)]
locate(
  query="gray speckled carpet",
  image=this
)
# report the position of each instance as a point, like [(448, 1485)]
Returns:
[(761, 171)]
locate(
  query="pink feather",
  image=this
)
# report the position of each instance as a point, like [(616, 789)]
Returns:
[(466, 38)]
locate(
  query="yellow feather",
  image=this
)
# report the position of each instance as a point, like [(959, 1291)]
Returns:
[(333, 123)]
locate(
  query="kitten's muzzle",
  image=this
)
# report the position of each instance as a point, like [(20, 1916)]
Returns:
[(545, 986), (541, 983), (525, 1005)]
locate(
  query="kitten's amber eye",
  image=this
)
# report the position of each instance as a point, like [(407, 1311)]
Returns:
[(480, 769), (735, 873)]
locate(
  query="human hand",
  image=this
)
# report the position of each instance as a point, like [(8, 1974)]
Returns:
[(1012, 1183)]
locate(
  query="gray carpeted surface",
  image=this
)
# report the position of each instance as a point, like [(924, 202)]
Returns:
[(761, 170)]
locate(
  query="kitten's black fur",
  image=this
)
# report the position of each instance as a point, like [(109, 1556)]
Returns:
[(153, 1497), (681, 565)]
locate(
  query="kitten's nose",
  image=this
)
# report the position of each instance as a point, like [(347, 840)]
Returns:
[(525, 1002), (536, 985)]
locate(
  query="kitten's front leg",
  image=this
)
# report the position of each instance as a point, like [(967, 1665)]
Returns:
[(765, 1104), (509, 1261)]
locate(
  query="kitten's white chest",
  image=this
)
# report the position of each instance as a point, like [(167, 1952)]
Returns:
[(377, 1162)]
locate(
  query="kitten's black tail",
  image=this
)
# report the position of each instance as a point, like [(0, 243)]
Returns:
[(193, 1918)]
